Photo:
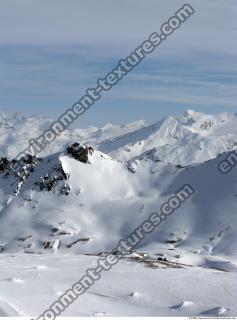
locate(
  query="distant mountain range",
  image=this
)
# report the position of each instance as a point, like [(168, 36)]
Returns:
[(78, 199)]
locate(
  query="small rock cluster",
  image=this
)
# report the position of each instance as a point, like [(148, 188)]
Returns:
[(50, 180)]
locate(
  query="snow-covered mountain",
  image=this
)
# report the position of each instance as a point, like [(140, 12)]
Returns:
[(87, 203), (66, 198), (17, 130), (190, 138), (95, 186), (187, 139)]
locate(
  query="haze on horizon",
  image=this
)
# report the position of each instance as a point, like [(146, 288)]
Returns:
[(51, 52)]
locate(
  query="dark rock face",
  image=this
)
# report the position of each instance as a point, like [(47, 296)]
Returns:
[(52, 179), (4, 164), (80, 152), (30, 159)]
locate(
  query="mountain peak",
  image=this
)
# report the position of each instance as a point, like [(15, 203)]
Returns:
[(189, 113)]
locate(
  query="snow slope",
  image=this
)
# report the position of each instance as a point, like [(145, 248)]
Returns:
[(95, 204)]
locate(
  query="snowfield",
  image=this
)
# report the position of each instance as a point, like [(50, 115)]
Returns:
[(93, 187), (30, 283)]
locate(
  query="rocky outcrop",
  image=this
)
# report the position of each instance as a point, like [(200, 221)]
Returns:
[(80, 152), (52, 179), (4, 164)]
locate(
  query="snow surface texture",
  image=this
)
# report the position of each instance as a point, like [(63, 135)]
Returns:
[(129, 289), (68, 204)]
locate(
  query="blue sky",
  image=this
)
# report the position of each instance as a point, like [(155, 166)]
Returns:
[(52, 52)]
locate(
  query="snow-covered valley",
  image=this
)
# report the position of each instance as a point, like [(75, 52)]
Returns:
[(74, 203)]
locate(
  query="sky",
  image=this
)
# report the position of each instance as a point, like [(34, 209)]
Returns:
[(51, 51)]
